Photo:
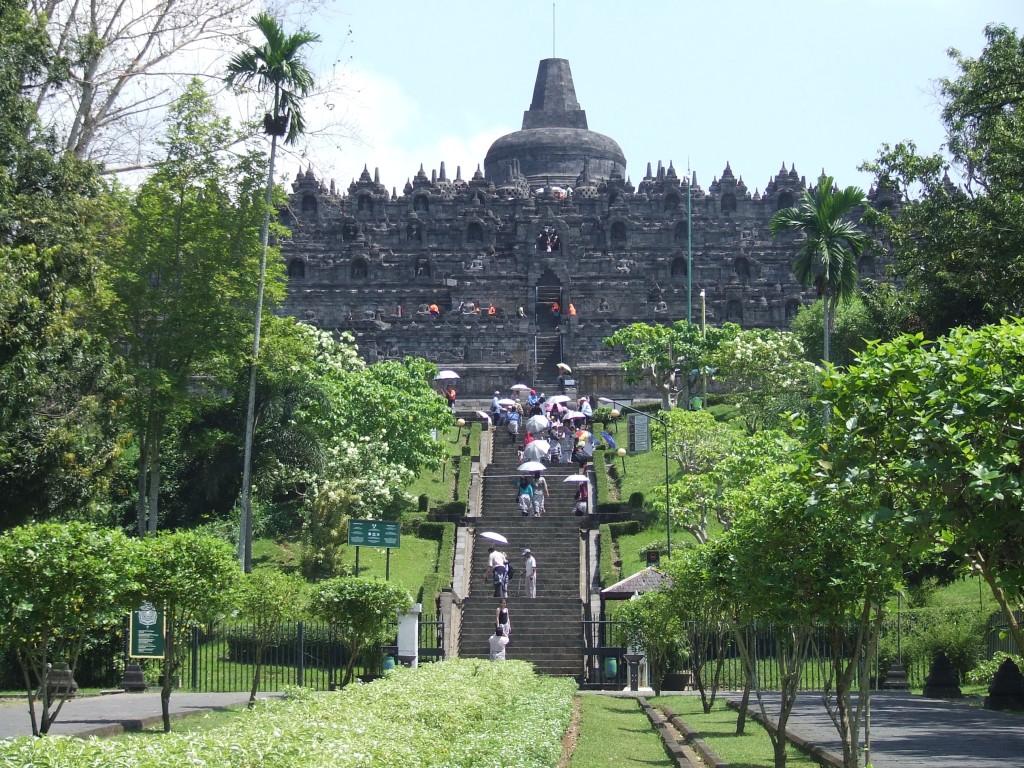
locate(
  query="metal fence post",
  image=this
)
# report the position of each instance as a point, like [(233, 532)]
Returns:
[(195, 657), (300, 654)]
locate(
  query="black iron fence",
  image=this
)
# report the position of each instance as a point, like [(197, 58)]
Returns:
[(605, 645), (222, 657)]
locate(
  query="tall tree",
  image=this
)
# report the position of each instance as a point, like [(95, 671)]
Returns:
[(116, 68), (181, 276), (938, 425), (766, 375), (957, 247), (58, 387), (827, 258), (276, 67)]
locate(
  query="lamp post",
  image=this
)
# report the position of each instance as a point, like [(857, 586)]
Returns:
[(668, 508)]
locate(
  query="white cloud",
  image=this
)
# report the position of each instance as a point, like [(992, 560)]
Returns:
[(375, 123)]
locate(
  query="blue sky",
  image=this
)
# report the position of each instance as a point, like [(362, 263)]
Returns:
[(815, 83)]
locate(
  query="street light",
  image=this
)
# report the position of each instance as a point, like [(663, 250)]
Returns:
[(664, 424)]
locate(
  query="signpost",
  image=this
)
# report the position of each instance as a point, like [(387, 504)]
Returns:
[(146, 630), (639, 432), (375, 533)]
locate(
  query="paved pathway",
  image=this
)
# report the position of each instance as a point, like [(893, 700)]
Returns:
[(914, 732), (103, 715)]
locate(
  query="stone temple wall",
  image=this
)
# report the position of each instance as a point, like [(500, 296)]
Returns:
[(354, 258)]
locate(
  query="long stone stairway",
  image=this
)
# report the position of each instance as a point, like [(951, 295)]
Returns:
[(547, 630)]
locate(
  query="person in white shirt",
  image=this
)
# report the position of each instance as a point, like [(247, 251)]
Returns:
[(497, 643), (530, 571), (497, 571)]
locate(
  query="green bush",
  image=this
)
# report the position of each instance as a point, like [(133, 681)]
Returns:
[(462, 486), (475, 430), (441, 579), (601, 485), (652, 546), (984, 671), (606, 557), (423, 502), (450, 509), (957, 631), (625, 528), (636, 500)]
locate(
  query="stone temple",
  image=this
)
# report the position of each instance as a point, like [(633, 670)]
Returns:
[(552, 218)]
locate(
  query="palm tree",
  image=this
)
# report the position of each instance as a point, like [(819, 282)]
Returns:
[(827, 259), (276, 67)]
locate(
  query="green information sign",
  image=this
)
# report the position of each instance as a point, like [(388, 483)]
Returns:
[(147, 632), (373, 533)]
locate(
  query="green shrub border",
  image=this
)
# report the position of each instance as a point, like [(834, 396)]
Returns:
[(441, 579), (465, 470), (606, 556)]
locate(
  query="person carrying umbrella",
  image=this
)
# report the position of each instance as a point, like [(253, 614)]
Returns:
[(540, 492), (497, 572)]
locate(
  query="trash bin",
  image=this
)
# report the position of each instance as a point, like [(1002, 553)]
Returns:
[(611, 668)]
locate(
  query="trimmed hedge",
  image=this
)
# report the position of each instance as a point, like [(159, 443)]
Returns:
[(625, 528), (475, 430), (441, 579), (448, 510), (465, 470), (606, 557)]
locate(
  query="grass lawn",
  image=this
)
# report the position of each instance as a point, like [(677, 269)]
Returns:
[(615, 731), (751, 750), (413, 560), (439, 485)]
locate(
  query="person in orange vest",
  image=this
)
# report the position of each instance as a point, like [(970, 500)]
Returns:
[(491, 310), (434, 310), (572, 310)]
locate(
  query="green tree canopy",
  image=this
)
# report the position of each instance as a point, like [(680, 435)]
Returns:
[(181, 276), (957, 248), (58, 436), (193, 578), (827, 256), (363, 610), (60, 585), (937, 426), (666, 355)]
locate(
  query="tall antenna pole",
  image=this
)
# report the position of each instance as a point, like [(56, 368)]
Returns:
[(689, 246), (552, 30)]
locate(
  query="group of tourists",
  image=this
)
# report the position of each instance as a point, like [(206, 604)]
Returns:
[(502, 619), (499, 572)]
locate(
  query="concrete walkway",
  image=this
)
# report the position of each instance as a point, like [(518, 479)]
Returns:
[(114, 713), (914, 732)]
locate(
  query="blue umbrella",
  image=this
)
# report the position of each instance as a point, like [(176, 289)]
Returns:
[(609, 440)]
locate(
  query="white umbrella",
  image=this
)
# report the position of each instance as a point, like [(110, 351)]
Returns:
[(536, 450), (559, 399), (564, 367), (496, 537), (576, 479), (573, 415), (445, 375), (519, 388), (531, 466), (506, 401), (537, 423)]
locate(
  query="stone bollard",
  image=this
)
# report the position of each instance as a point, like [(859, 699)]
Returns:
[(942, 682), (1007, 689), (133, 681)]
